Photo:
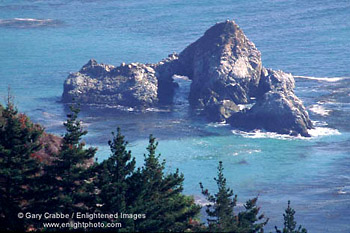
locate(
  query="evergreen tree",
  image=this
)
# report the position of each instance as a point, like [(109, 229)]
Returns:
[(66, 186), (221, 210), (250, 221), (113, 180), (289, 222), (19, 169), (160, 197)]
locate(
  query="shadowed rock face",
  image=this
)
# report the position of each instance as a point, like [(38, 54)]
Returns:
[(275, 80), (165, 70), (225, 69), (276, 111), (277, 108)]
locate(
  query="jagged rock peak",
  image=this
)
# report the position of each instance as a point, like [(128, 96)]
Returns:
[(225, 34), (91, 62), (228, 29), (222, 63), (93, 68)]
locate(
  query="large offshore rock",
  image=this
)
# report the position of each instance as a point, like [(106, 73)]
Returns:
[(223, 63), (133, 85), (225, 69)]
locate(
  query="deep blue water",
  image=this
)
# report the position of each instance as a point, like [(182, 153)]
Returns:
[(306, 38)]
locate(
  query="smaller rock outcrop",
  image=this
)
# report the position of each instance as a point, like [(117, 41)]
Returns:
[(219, 110), (133, 85), (277, 109), (276, 112), (275, 80)]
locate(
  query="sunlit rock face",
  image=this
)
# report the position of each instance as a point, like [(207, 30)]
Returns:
[(133, 85), (223, 64)]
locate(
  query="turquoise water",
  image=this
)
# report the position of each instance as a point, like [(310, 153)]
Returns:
[(305, 38)]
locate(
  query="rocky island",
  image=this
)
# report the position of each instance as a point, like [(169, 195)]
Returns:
[(226, 71)]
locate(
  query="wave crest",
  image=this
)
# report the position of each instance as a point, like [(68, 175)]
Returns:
[(29, 23), (320, 110), (315, 133), (325, 79)]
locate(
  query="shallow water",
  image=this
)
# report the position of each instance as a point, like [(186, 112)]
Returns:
[(309, 39)]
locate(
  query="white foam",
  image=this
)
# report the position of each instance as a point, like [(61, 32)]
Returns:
[(323, 131), (244, 152), (319, 123), (320, 110), (218, 124), (203, 202), (28, 22), (156, 110), (325, 79), (53, 123), (180, 77), (200, 200), (245, 106), (262, 134), (48, 115), (33, 20), (341, 192), (128, 109), (253, 151), (119, 107), (314, 133), (344, 190)]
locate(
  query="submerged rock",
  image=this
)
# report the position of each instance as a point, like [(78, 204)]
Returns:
[(225, 69)]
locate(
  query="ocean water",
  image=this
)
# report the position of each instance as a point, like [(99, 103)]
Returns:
[(42, 41)]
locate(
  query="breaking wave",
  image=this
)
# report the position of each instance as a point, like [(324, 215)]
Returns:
[(323, 131), (315, 133), (218, 124), (344, 190), (125, 108), (325, 79), (29, 23), (320, 110)]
